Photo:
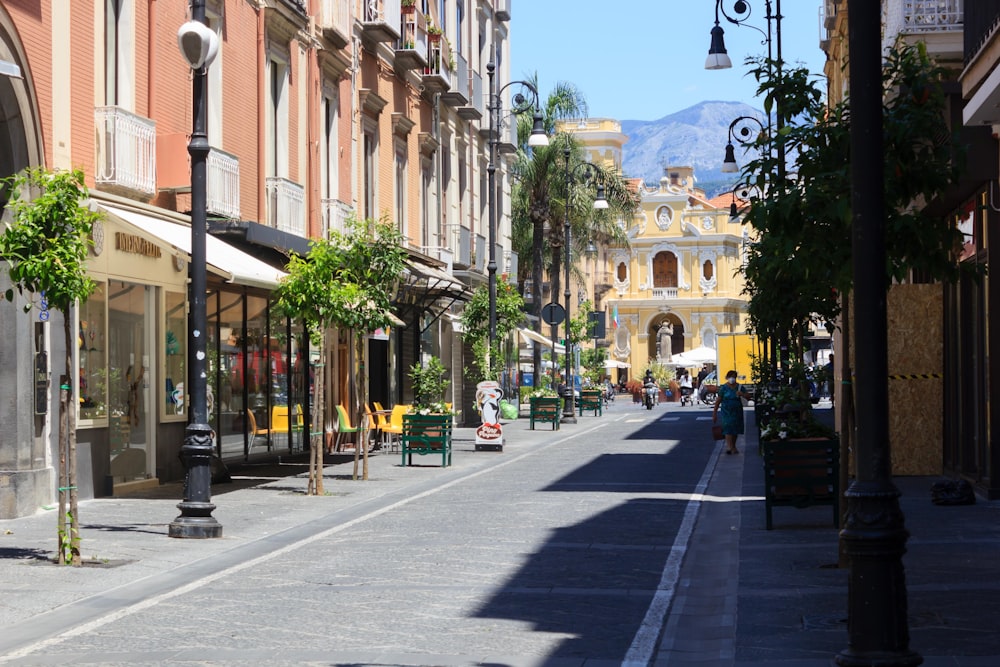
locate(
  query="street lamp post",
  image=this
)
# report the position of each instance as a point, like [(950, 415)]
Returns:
[(739, 13), (874, 535), (520, 104), (590, 173), (198, 45)]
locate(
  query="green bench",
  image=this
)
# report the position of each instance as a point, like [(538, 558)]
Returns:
[(591, 399), (545, 409), (802, 473), (426, 434)]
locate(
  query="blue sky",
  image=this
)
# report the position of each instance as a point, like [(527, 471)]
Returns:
[(644, 59)]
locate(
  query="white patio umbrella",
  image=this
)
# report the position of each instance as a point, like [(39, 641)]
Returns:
[(614, 363), (697, 356)]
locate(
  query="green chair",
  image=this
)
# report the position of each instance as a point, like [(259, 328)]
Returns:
[(343, 426)]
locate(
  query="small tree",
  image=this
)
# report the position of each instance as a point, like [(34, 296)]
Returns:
[(476, 327), (45, 247), (347, 282)]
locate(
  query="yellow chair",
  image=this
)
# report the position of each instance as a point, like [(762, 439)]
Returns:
[(279, 420), (343, 426), (372, 425), (393, 431), (255, 432)]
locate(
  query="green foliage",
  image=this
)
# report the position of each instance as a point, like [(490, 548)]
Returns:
[(476, 327), (800, 261), (430, 382), (346, 281), (47, 241)]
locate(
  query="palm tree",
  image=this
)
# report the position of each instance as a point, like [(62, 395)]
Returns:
[(540, 198)]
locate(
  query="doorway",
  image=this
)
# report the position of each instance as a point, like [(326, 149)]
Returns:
[(130, 350)]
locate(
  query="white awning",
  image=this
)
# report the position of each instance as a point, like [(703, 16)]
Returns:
[(223, 259), (530, 336)]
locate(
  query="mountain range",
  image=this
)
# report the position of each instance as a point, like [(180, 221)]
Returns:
[(694, 137)]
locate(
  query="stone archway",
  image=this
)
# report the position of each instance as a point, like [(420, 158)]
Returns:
[(665, 331), (27, 442)]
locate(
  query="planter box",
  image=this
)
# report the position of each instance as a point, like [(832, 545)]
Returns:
[(427, 434), (801, 473)]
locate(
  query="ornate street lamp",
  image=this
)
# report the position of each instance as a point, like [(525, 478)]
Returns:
[(198, 45), (523, 100), (589, 173), (742, 130)]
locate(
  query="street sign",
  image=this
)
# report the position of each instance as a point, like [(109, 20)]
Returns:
[(553, 313)]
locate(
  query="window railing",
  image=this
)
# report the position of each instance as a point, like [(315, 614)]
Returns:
[(223, 191), (126, 150), (286, 209), (480, 253), (335, 14), (335, 215), (932, 15), (664, 292), (381, 11)]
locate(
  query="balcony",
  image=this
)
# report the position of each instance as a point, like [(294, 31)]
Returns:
[(479, 258), (477, 109), (437, 75), (512, 266), (380, 20), (463, 248), (501, 9), (286, 210), (603, 282), (223, 189), (458, 95), (664, 292), (440, 253), (335, 216), (937, 23), (126, 152), (411, 49), (335, 21)]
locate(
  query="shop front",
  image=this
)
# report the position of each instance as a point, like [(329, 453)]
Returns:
[(131, 353)]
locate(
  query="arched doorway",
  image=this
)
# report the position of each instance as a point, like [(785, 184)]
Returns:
[(666, 338)]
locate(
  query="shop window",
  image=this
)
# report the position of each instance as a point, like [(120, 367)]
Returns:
[(227, 372), (92, 343), (174, 352)]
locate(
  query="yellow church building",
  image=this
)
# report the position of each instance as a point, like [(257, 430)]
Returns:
[(677, 285)]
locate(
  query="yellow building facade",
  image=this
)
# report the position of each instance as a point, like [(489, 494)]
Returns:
[(676, 286)]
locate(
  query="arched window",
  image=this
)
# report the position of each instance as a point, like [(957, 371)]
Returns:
[(622, 272), (707, 270), (665, 270)]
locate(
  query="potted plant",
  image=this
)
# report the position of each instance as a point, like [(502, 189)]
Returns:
[(433, 32), (408, 6), (430, 382)]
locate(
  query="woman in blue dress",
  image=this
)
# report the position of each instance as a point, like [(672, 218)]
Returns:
[(729, 396)]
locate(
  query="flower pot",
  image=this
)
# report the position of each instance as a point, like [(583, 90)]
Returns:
[(409, 9)]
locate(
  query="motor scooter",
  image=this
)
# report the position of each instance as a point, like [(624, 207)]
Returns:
[(649, 395)]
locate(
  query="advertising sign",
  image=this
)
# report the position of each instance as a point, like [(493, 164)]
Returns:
[(489, 435)]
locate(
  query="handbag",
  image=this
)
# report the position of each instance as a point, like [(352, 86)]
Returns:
[(717, 432)]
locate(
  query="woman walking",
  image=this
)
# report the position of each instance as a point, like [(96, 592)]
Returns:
[(728, 399)]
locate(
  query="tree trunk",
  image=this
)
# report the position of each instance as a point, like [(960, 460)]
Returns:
[(537, 238), (68, 524), (846, 417), (359, 382), (317, 443)]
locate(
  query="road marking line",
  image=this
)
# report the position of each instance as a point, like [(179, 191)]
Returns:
[(640, 653)]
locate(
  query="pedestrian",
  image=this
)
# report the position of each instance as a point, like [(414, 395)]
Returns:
[(728, 399)]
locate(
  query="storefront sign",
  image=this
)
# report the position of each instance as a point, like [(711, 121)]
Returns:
[(136, 245)]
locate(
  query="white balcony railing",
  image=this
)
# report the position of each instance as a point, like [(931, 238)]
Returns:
[(463, 252), (335, 14), (480, 257), (126, 150), (381, 11), (335, 216), (932, 15), (286, 208), (223, 191), (664, 292)]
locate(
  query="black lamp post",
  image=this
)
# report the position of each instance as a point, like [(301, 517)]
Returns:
[(874, 535), (198, 45), (589, 174), (521, 103)]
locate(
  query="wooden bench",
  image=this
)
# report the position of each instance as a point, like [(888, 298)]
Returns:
[(590, 399), (426, 434), (802, 473), (545, 409)]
